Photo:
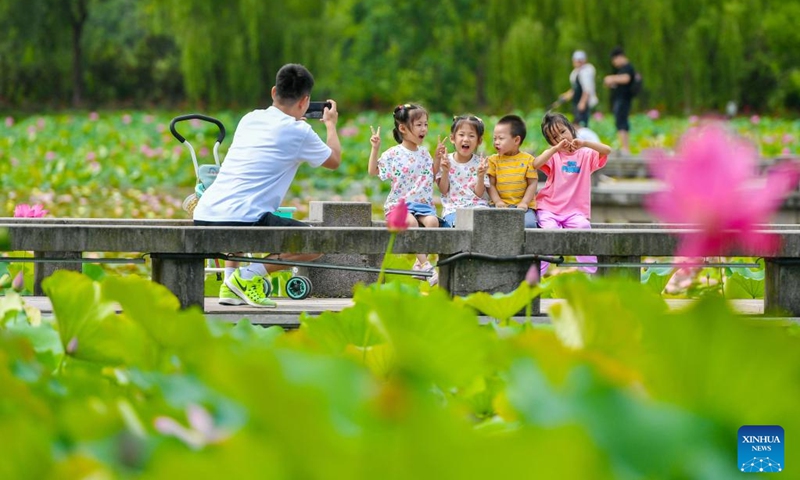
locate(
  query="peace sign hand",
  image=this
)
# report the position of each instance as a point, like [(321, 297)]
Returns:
[(441, 149), (483, 166), (445, 163), (375, 139)]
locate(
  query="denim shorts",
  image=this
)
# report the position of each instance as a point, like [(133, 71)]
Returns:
[(420, 209)]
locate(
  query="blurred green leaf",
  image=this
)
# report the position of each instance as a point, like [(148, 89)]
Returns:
[(434, 338), (153, 307), (602, 314), (502, 306), (89, 326)]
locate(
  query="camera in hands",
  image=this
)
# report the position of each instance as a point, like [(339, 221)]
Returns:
[(315, 109)]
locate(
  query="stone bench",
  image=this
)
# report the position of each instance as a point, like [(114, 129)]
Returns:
[(178, 249)]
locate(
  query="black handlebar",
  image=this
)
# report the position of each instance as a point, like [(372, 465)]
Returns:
[(196, 116)]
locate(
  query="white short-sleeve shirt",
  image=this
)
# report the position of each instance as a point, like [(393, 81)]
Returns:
[(266, 151), (463, 177), (585, 75)]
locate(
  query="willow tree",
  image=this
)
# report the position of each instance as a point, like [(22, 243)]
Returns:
[(230, 53), (42, 44)]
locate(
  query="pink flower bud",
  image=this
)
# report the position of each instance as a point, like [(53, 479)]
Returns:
[(72, 346), (532, 277), (19, 282), (396, 220)]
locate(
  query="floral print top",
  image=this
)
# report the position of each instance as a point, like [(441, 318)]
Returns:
[(411, 174), (463, 177)]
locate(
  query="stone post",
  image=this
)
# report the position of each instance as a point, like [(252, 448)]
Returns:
[(782, 286), (184, 276), (44, 270), (496, 232), (329, 283)]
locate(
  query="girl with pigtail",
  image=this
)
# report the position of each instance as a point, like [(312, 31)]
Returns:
[(411, 170)]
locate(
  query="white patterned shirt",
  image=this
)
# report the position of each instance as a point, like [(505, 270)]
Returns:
[(411, 174), (463, 178)]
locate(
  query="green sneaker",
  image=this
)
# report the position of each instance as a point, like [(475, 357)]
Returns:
[(227, 297), (251, 291)]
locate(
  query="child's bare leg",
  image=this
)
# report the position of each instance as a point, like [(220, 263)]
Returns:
[(427, 221)]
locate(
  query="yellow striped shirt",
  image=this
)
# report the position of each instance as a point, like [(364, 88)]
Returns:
[(511, 173)]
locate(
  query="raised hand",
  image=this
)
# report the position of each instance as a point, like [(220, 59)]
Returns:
[(563, 146), (441, 149), (330, 115), (375, 139), (444, 164), (483, 165)]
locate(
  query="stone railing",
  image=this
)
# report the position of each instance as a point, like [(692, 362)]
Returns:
[(488, 251)]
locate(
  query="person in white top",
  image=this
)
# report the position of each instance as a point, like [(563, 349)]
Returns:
[(267, 149), (582, 88)]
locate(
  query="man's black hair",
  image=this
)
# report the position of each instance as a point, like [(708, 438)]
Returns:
[(293, 82), (617, 51), (517, 124)]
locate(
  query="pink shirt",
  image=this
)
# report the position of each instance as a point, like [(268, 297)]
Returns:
[(569, 182)]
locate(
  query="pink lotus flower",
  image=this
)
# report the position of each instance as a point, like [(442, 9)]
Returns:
[(693, 119), (24, 210), (653, 114), (396, 220), (755, 119), (9, 122), (709, 184), (201, 431), (94, 116), (348, 132), (598, 116)]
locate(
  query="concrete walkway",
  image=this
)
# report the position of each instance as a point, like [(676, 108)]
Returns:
[(288, 311)]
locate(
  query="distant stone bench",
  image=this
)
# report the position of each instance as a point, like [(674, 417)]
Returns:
[(627, 166), (495, 237)]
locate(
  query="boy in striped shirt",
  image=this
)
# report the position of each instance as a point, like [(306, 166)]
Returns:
[(512, 176)]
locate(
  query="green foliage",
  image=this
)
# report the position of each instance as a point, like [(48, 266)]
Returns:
[(744, 283), (452, 55), (657, 278), (401, 385), (126, 164)]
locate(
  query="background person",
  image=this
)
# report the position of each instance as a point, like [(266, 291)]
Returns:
[(620, 83), (582, 90)]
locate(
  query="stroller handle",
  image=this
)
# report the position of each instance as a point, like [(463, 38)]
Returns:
[(196, 116)]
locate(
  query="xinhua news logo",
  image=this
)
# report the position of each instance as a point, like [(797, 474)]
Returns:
[(761, 448)]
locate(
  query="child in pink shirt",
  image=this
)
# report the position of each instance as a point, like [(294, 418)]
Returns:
[(566, 199)]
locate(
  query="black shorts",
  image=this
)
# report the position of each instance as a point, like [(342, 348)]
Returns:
[(269, 219), (581, 117), (622, 109)]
